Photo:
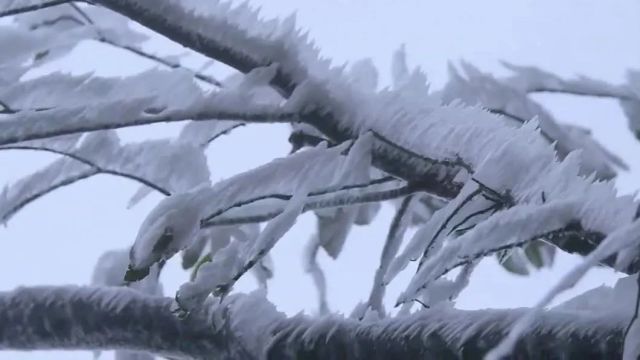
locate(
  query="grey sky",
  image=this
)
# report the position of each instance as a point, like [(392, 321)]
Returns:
[(57, 239)]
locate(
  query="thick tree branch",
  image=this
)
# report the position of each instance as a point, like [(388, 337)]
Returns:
[(75, 318), (190, 30), (197, 32)]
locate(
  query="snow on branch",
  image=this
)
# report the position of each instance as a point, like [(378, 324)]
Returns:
[(101, 153), (504, 98), (248, 327), (531, 79), (15, 7), (52, 32)]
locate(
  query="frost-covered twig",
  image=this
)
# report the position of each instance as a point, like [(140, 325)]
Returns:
[(30, 125), (285, 197), (137, 51), (92, 164), (248, 327), (34, 6), (52, 186), (532, 79), (332, 202), (392, 244)]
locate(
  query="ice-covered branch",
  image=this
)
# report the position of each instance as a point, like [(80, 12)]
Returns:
[(311, 204), (417, 138), (31, 125), (76, 318), (532, 79), (248, 327), (243, 41), (92, 164)]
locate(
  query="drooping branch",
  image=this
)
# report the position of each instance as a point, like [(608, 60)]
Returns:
[(248, 327), (6, 214), (93, 165)]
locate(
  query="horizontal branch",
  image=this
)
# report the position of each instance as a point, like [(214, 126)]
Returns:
[(29, 125), (79, 318), (286, 197), (584, 92), (312, 204)]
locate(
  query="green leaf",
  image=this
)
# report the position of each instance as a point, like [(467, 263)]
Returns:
[(513, 261), (540, 254), (205, 259)]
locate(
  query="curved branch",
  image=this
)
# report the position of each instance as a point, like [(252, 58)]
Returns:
[(74, 318), (93, 165), (54, 186), (225, 132)]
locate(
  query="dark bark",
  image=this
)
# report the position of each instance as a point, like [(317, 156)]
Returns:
[(75, 318)]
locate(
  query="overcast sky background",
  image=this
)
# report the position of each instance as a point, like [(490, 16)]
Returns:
[(57, 239)]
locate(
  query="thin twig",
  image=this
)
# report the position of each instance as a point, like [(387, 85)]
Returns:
[(92, 165), (520, 120), (174, 65), (491, 208), (285, 197), (34, 7), (64, 182), (391, 246), (225, 132), (375, 196), (6, 109), (582, 93), (443, 226)]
